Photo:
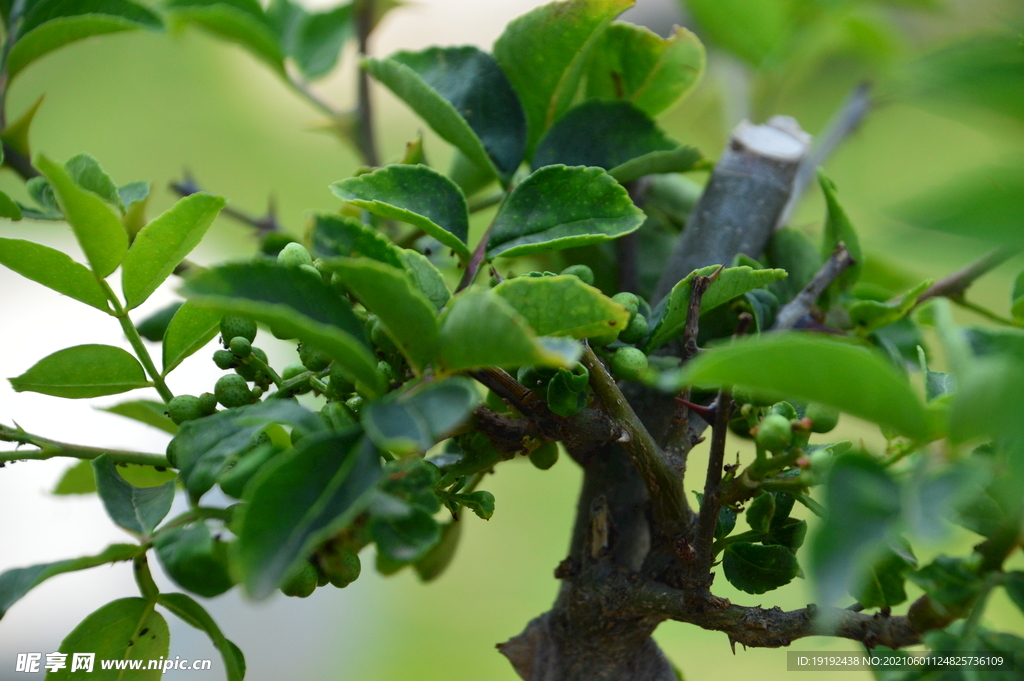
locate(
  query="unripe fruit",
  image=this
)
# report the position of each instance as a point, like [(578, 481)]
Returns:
[(585, 274), (545, 456), (293, 370), (232, 326), (355, 404), (302, 582), (313, 359), (636, 331), (184, 408), (337, 415), (629, 363), (232, 391), (775, 433), (323, 269), (628, 301), (240, 347), (387, 370), (311, 271), (294, 255), (823, 419), (207, 403), (224, 360), (342, 567)]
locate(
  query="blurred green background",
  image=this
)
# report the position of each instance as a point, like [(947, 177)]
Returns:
[(150, 105)]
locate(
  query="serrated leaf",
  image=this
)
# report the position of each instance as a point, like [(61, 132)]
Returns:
[(670, 314), (53, 269), (417, 195), (17, 582), (164, 243), (474, 315), (194, 559), (145, 411), (408, 317), (295, 304), (757, 568), (462, 93), (633, 63), (83, 371), (196, 616), (239, 21), (335, 235), (563, 306), (545, 53), (761, 511), (560, 207), (419, 417), (850, 378), (97, 227), (883, 584), (838, 229), (297, 501), (190, 329), (85, 170), (950, 581), (136, 509)]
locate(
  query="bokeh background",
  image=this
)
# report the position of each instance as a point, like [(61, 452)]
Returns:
[(149, 106)]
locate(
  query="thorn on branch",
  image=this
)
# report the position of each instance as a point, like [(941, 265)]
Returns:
[(263, 224)]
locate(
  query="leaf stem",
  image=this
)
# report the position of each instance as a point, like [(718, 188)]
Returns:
[(136, 342), (49, 449), (255, 361), (144, 578), (983, 311), (476, 260), (707, 519)]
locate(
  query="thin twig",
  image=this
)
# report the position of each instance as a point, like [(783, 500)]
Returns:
[(365, 138), (954, 285), (798, 308), (708, 517), (476, 260), (267, 223), (49, 449)]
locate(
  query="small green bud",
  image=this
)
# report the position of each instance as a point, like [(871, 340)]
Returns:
[(775, 433), (342, 567), (629, 363), (293, 370), (337, 415), (294, 255), (255, 394), (184, 408), (636, 331), (302, 582), (387, 370), (313, 359), (232, 326), (323, 269), (823, 419), (355, 404), (628, 301), (207, 403), (311, 271), (224, 360), (584, 273), (545, 456), (784, 409), (240, 347), (250, 372)]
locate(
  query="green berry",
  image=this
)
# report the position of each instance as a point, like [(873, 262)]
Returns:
[(584, 273), (342, 567), (629, 363), (337, 415), (636, 331), (628, 301), (387, 370), (775, 433), (256, 394), (232, 326), (184, 408), (311, 271), (241, 347), (355, 404), (823, 419), (545, 456), (224, 360), (302, 582), (232, 391), (293, 370), (294, 255), (784, 409), (313, 359), (207, 403)]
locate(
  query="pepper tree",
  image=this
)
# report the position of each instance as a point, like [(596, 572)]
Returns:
[(677, 313)]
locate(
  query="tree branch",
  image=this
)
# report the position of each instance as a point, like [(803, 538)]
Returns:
[(798, 308), (267, 223), (49, 449), (365, 138), (956, 284), (707, 520)]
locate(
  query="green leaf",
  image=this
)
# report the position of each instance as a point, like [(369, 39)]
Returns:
[(53, 269), (196, 616), (191, 328), (83, 371), (202, 449), (987, 403), (296, 305), (670, 314), (756, 568), (17, 582), (950, 581), (882, 585), (153, 327), (850, 378), (79, 479), (761, 511), (417, 195), (340, 235), (145, 411), (869, 315), (194, 559), (408, 538), (408, 317), (419, 417), (863, 503), (750, 29), (297, 501), (633, 63), (476, 315), (838, 229), (9, 208), (563, 306), (51, 24), (545, 53), (239, 21), (136, 509), (85, 170), (97, 227), (115, 632), (793, 251), (1013, 582), (790, 533), (560, 207), (426, 277), (317, 40), (985, 204), (133, 192), (433, 563), (164, 243), (677, 160), (465, 97)]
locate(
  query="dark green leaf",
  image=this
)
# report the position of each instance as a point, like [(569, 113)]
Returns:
[(764, 306), (317, 40), (793, 251), (239, 21), (339, 235), (418, 418), (563, 306), (153, 327), (191, 328), (164, 243), (839, 230), (1013, 582), (298, 501), (560, 207), (85, 170), (761, 511), (53, 269), (406, 539), (145, 411), (756, 568), (433, 563), (195, 615), (949, 581), (417, 195), (136, 509), (790, 533), (17, 582), (678, 160), (83, 371), (882, 585), (427, 278), (194, 559)]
